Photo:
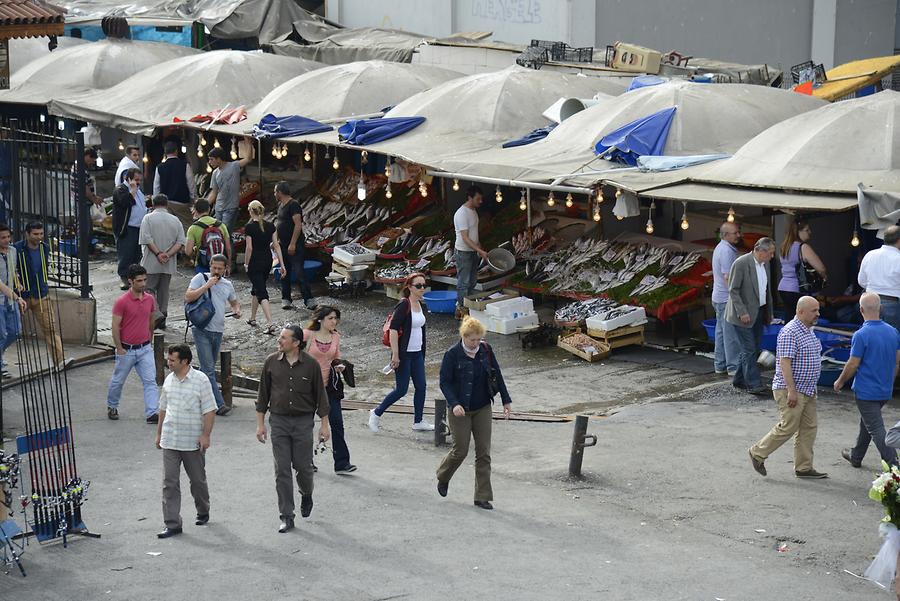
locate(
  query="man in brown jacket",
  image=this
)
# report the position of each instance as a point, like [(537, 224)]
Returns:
[(292, 390)]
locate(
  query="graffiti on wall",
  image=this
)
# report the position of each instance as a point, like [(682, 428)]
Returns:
[(508, 11)]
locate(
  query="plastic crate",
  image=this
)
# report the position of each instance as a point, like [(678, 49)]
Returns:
[(533, 57), (808, 71)]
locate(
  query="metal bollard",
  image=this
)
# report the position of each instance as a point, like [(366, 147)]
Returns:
[(226, 382), (579, 441), (159, 357), (440, 422)]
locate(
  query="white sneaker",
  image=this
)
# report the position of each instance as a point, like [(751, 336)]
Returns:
[(373, 420), (423, 426)]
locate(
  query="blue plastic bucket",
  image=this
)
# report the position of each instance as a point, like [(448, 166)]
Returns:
[(310, 272), (441, 301)]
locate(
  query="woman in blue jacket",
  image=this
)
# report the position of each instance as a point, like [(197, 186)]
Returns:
[(470, 379)]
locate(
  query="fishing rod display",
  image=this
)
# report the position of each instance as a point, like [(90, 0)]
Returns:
[(11, 548)]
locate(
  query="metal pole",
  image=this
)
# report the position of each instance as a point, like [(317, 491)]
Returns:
[(579, 442), (528, 218), (159, 343), (83, 212), (226, 381), (440, 422)]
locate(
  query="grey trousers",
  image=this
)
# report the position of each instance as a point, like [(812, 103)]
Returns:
[(871, 429), (195, 467), (158, 286), (292, 446)]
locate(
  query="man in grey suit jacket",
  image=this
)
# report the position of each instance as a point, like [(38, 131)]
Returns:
[(749, 309)]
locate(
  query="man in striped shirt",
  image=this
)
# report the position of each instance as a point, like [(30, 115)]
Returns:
[(187, 410), (797, 368)]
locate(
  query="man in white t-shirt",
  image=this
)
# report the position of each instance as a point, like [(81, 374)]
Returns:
[(129, 161), (465, 222)]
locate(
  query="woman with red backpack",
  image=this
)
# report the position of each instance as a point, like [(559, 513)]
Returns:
[(407, 341)]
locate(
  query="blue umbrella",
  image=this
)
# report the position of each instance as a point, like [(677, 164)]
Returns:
[(645, 81), (641, 137), (532, 136), (370, 131), (274, 127)]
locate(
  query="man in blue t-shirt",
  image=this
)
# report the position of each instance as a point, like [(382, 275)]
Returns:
[(874, 360)]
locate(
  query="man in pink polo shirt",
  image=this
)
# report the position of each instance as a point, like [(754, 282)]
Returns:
[(132, 325)]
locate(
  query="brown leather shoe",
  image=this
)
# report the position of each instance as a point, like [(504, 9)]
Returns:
[(758, 465), (845, 453), (811, 475)]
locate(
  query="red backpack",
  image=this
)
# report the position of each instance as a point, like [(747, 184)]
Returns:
[(212, 240), (386, 328)]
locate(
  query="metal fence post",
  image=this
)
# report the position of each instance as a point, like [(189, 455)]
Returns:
[(83, 217), (580, 440), (226, 381), (159, 342)]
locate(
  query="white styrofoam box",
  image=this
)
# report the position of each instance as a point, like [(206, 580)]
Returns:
[(340, 254), (634, 318), (513, 307), (504, 325)]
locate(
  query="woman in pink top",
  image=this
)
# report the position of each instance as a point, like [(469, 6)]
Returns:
[(323, 343)]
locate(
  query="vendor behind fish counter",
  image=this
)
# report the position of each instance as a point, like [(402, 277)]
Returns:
[(465, 222)]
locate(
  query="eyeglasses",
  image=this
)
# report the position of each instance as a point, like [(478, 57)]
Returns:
[(418, 286)]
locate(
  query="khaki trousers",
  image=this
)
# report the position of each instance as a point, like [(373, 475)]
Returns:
[(158, 286), (477, 425), (292, 445), (195, 468), (43, 312), (800, 420)]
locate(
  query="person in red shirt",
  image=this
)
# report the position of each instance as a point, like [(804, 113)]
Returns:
[(132, 326)]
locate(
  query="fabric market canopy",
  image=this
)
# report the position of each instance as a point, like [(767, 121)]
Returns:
[(476, 112), (87, 67), (24, 50), (830, 149), (347, 45), (182, 88), (358, 89), (709, 119), (731, 195)]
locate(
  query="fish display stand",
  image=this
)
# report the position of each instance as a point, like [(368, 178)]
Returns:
[(602, 350)]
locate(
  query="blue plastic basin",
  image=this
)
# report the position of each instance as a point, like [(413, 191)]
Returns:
[(769, 339), (441, 301), (310, 271)]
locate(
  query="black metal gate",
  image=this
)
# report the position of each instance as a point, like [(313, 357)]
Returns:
[(46, 175)]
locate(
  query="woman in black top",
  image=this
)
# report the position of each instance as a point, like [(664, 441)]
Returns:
[(261, 239), (407, 337), (470, 378)]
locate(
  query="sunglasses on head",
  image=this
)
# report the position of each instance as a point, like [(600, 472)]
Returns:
[(418, 286)]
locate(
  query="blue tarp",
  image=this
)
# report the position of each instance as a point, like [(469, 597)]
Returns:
[(644, 81), (370, 131), (532, 136), (274, 127), (643, 136)]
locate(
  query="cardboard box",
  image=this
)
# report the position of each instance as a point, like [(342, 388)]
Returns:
[(472, 301), (636, 59)]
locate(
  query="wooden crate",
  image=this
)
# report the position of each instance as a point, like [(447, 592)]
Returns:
[(603, 349), (620, 337)]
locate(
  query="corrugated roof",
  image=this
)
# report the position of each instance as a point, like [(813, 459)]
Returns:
[(29, 12)]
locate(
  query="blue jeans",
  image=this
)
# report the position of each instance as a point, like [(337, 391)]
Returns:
[(749, 342), (9, 326), (412, 365), (229, 218), (143, 363), (727, 348), (208, 345), (339, 450), (466, 274), (293, 264), (871, 429), (890, 312)]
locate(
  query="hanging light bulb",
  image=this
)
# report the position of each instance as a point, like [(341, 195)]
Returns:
[(387, 191), (99, 161), (498, 195), (569, 201), (275, 150), (618, 192), (550, 200), (183, 149), (387, 168), (335, 164), (43, 118), (121, 144), (456, 185), (146, 159), (649, 228), (597, 214), (522, 203), (684, 220), (364, 158), (199, 152), (730, 218), (61, 125), (854, 241), (216, 143), (208, 168), (361, 188), (284, 149), (423, 189), (619, 218), (202, 140), (234, 154), (306, 155)]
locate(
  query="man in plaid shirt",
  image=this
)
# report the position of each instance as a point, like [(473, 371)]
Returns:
[(797, 368)]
